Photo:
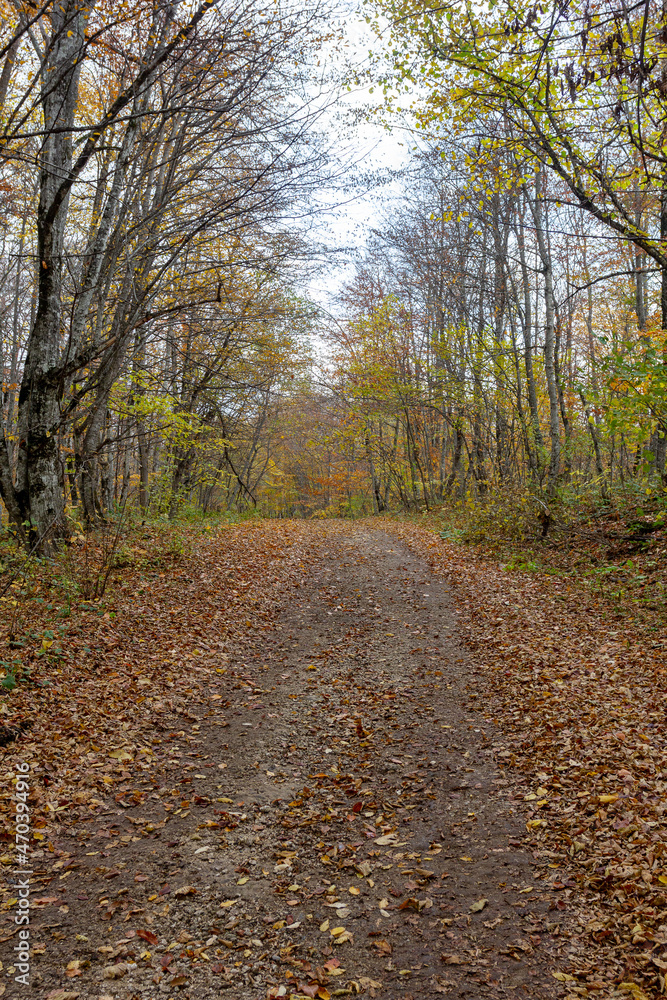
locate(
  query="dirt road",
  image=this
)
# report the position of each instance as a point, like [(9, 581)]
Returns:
[(332, 819)]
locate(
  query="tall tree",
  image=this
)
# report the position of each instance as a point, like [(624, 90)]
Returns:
[(154, 129)]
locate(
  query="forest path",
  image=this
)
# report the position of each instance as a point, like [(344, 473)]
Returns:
[(334, 830)]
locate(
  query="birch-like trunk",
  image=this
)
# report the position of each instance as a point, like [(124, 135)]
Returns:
[(549, 335), (38, 491)]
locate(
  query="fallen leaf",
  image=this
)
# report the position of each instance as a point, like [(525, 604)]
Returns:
[(116, 971), (478, 906), (186, 890), (147, 936), (388, 838)]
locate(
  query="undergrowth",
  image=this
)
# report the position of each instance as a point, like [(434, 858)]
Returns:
[(613, 542)]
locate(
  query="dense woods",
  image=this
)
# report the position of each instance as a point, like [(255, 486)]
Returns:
[(504, 325), (151, 155)]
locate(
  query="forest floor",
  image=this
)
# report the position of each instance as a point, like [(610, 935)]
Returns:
[(314, 759)]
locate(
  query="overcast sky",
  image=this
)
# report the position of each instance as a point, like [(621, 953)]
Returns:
[(369, 151)]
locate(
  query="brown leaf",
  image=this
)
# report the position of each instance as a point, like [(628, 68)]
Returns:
[(147, 936), (441, 985), (115, 971)]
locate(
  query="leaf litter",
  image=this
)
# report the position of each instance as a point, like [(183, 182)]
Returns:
[(578, 703), (248, 794)]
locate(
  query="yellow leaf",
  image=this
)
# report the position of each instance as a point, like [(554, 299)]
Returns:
[(606, 799), (337, 931), (242, 881), (354, 891), (479, 905), (563, 977), (120, 755), (324, 926), (662, 879), (185, 890)]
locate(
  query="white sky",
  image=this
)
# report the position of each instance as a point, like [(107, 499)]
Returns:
[(369, 149)]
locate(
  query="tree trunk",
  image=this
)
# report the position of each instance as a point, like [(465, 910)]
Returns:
[(661, 443), (528, 352), (38, 490), (549, 337), (378, 501)]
